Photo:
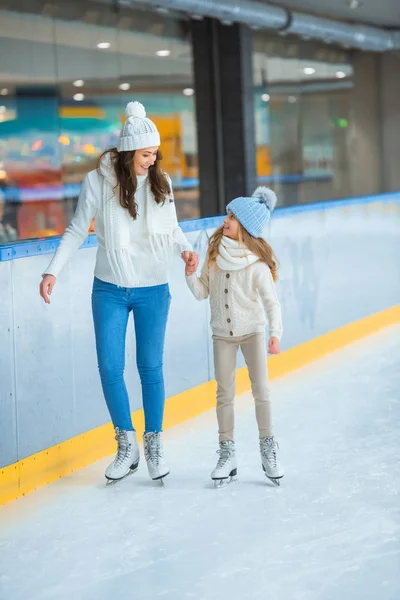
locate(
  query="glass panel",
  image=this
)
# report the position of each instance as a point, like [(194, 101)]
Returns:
[(65, 78), (302, 105), (30, 167)]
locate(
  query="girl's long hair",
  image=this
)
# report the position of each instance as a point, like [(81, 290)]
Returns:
[(127, 180), (257, 246)]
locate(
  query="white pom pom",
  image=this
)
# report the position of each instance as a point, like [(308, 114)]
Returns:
[(136, 110), (266, 196)]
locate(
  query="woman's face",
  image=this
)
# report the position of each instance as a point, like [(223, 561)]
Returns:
[(144, 159), (231, 226)]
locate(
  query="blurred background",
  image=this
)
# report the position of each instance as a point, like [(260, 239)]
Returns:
[(67, 70)]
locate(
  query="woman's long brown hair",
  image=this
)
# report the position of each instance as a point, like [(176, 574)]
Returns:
[(127, 180), (257, 246)]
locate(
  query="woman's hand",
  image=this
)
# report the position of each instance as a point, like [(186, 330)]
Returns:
[(191, 260), (46, 287), (274, 346)]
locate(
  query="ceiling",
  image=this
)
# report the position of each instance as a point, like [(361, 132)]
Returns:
[(37, 48), (379, 13)]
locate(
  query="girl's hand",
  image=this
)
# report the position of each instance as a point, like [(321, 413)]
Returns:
[(274, 346), (191, 260), (46, 287), (190, 270)]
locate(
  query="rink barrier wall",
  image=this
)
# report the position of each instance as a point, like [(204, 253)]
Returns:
[(339, 281), (26, 248), (58, 461)]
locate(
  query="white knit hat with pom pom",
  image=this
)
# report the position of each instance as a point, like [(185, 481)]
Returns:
[(138, 131)]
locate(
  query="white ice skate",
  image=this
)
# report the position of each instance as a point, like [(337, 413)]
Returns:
[(269, 460), (226, 469), (154, 454), (127, 459)]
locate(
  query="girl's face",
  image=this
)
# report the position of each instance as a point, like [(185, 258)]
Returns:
[(231, 226), (144, 159)]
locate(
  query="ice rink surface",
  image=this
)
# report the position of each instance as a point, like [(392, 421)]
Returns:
[(330, 532)]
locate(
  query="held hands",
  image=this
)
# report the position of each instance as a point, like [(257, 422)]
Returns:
[(274, 346), (46, 287), (191, 260), (48, 282)]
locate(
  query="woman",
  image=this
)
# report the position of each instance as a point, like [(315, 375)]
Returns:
[(136, 224)]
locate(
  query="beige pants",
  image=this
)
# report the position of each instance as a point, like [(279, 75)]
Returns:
[(225, 355)]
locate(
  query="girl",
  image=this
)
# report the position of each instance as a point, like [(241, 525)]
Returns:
[(238, 275), (131, 199)]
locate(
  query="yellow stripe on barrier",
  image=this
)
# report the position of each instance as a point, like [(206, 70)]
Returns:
[(53, 463)]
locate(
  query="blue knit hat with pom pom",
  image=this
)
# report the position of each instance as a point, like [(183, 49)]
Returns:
[(255, 212)]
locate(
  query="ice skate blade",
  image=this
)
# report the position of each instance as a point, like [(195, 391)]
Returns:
[(132, 470), (160, 479), (275, 480), (221, 483)]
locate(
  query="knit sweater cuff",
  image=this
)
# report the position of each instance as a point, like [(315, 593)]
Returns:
[(53, 268), (181, 242), (276, 334), (187, 248)]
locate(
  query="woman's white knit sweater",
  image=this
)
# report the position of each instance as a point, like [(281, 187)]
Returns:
[(240, 300), (148, 241)]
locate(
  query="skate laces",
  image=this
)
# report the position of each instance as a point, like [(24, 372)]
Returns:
[(123, 447), (153, 447), (225, 451), (268, 448)]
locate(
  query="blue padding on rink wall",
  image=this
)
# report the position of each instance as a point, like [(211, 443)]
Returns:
[(38, 246), (34, 247)]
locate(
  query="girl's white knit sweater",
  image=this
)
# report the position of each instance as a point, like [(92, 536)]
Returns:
[(148, 240), (240, 300)]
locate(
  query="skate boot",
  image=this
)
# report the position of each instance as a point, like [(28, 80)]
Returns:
[(127, 459), (226, 468), (269, 460), (154, 454)]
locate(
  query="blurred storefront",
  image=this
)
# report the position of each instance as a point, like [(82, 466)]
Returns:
[(302, 115), (65, 79), (235, 107)]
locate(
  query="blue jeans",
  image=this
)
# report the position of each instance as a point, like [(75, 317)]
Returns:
[(111, 306)]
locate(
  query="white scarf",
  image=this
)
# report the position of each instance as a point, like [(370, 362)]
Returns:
[(233, 256), (117, 221)]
